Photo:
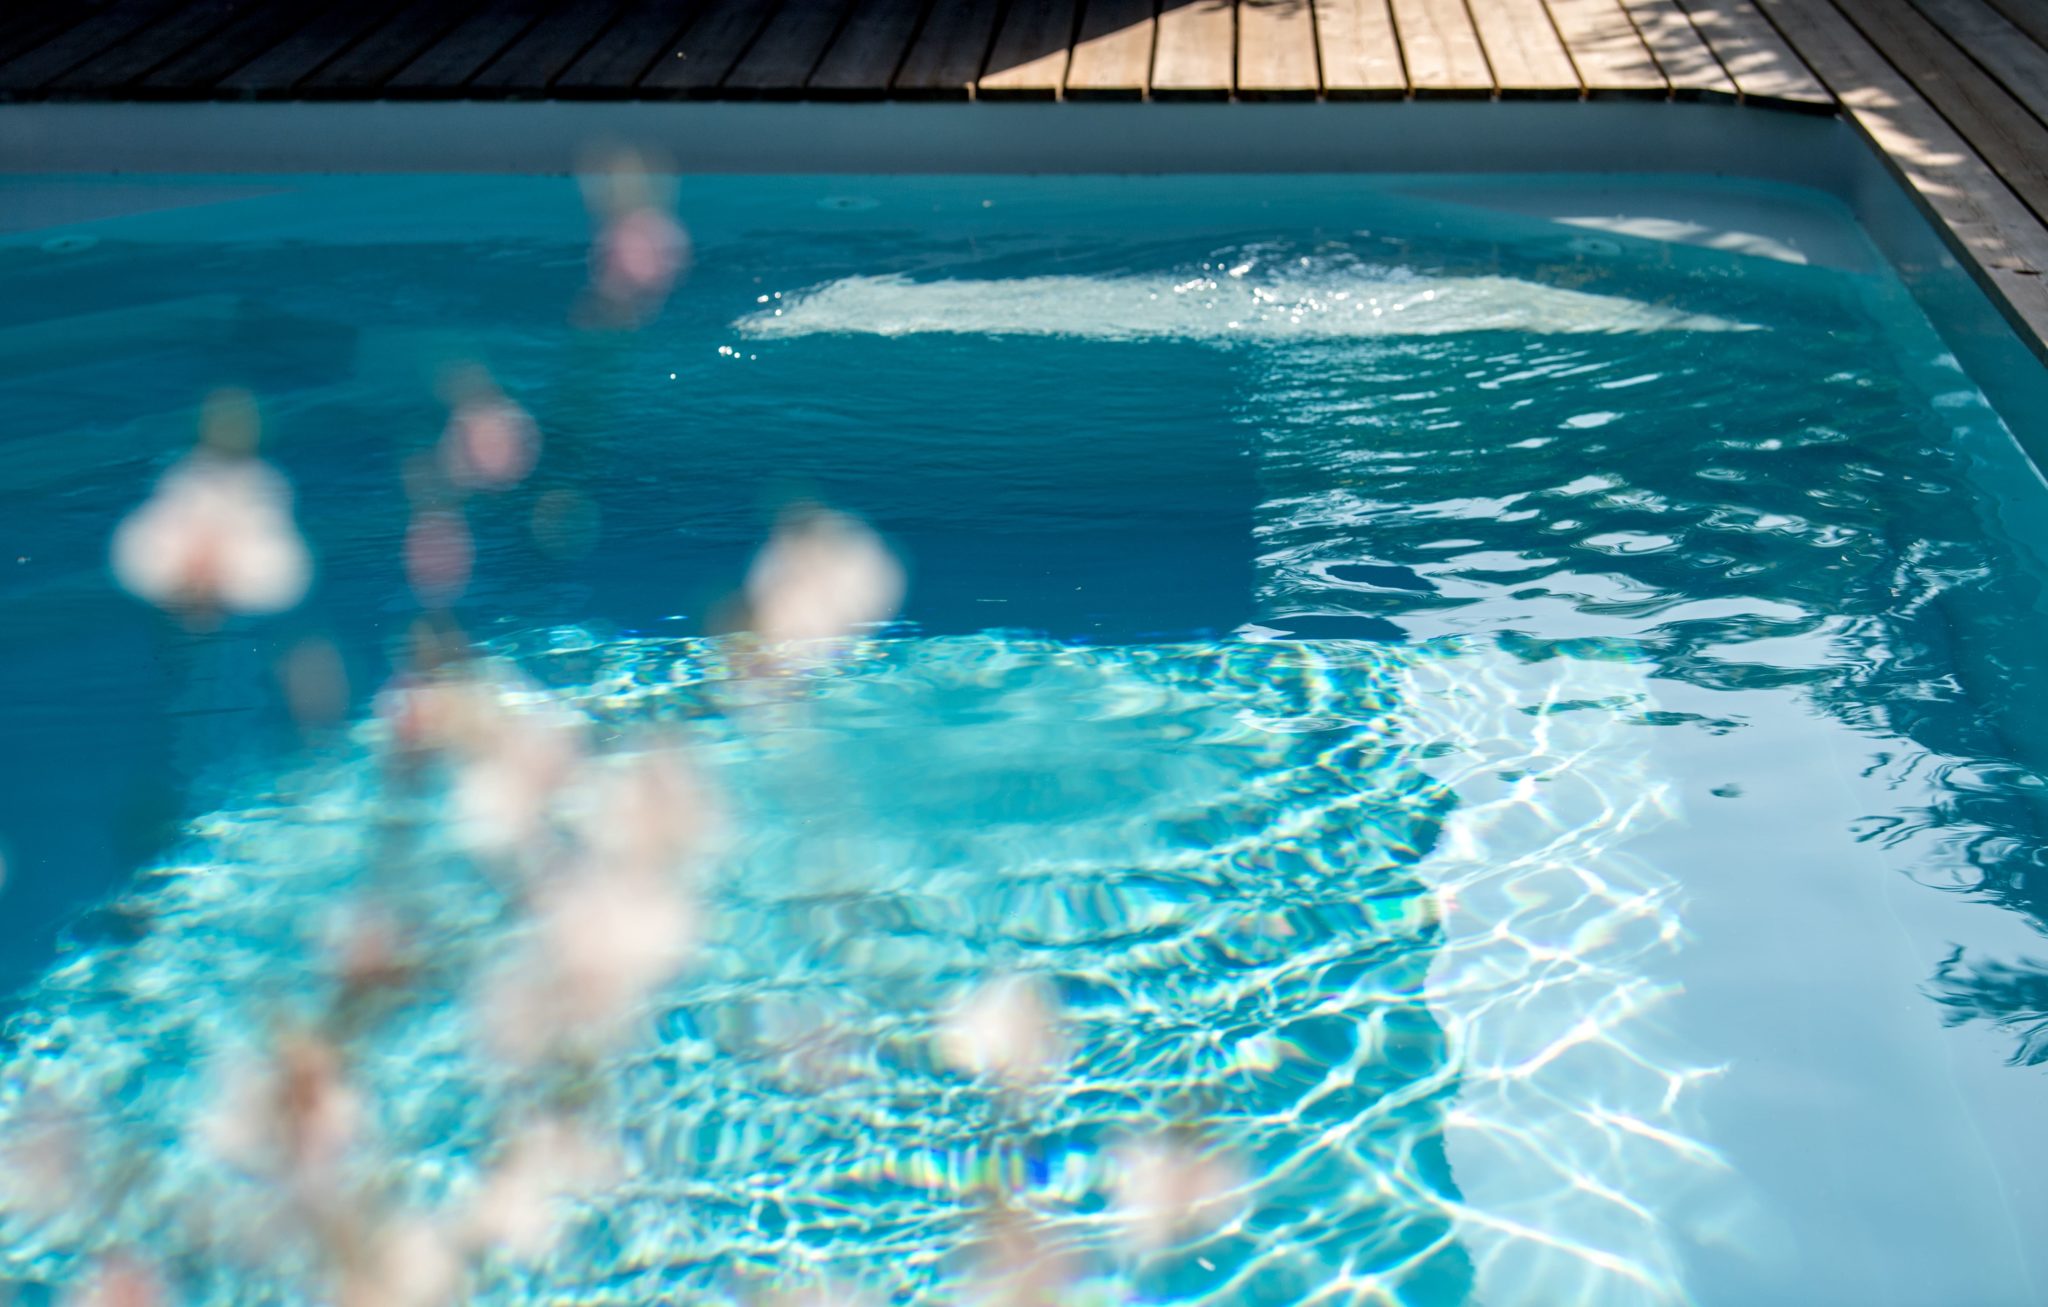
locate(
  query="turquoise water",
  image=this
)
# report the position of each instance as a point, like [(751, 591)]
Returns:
[(1502, 708)]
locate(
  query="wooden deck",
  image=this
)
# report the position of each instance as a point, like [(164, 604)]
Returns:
[(1954, 92)]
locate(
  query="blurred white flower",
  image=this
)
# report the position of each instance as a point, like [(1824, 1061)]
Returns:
[(119, 1282), (511, 766), (1167, 1187), (216, 536), (1015, 1265), (292, 1119), (640, 249), (821, 576), (649, 813), (1008, 1029), (490, 442), (42, 1158), (439, 556), (405, 1263), (546, 1163)]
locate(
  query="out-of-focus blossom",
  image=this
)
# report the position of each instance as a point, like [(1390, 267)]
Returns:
[(119, 1282), (490, 442), (821, 576), (1008, 1028), (438, 556), (215, 536), (511, 766), (1168, 1187), (649, 813), (518, 1207), (367, 953), (1015, 1265), (293, 1119), (404, 1263), (43, 1162), (315, 682), (640, 249)]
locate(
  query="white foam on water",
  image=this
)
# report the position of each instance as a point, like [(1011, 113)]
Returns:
[(1341, 305)]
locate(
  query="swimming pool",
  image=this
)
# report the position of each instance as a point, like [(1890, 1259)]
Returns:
[(1488, 717)]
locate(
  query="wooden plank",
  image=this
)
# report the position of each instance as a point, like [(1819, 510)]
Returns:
[(951, 50), (80, 43), (1441, 48), (27, 27), (388, 47), (1997, 126), (467, 48), (2030, 16), (1194, 54), (1029, 57), (1608, 51), (1276, 50), (254, 31), (302, 53), (1680, 51), (644, 32), (170, 36), (2005, 51), (1113, 54), (530, 64), (1361, 56), (2004, 242), (699, 59), (782, 56), (1527, 59), (863, 59), (1759, 62)]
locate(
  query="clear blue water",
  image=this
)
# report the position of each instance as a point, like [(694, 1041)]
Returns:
[(1519, 727)]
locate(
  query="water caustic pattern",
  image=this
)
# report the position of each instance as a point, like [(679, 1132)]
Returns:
[(1438, 751)]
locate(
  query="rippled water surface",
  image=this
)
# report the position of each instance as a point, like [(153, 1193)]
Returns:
[(1521, 730)]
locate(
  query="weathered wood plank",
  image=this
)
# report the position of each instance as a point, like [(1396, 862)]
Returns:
[(782, 56), (698, 60), (79, 43), (1276, 50), (1759, 62), (1611, 57), (465, 49), (252, 32), (2030, 16), (165, 39), (2005, 51), (1997, 126), (1441, 48), (1113, 56), (532, 62), (1361, 56), (1194, 52), (1690, 67), (1029, 57), (285, 64), (863, 59), (388, 47), (643, 32), (25, 28), (2003, 238), (1523, 50), (951, 50)]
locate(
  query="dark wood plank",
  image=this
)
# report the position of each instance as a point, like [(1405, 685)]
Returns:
[(252, 32), (2003, 238), (1194, 52), (1113, 53), (788, 49), (305, 51), (2005, 51), (698, 60), (1997, 126), (1680, 51), (467, 48), (1276, 50), (24, 28), (1029, 57), (1361, 56), (1522, 48), (532, 62), (873, 44), (644, 32), (2030, 16), (163, 40), (952, 48), (1759, 62), (386, 48), (1441, 48), (1608, 51), (79, 43)]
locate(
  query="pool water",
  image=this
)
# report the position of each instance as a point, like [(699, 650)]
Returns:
[(1506, 713)]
